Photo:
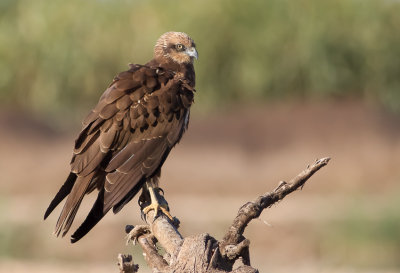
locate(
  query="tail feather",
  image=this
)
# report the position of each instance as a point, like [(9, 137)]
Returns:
[(72, 204), (65, 226), (62, 193), (100, 209), (94, 216)]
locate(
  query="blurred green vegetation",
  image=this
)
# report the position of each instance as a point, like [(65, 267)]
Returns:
[(58, 56), (366, 237)]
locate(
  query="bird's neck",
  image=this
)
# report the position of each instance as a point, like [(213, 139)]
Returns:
[(185, 69)]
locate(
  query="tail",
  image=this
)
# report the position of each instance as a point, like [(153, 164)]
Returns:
[(95, 215), (72, 204), (100, 209), (76, 188), (62, 193)]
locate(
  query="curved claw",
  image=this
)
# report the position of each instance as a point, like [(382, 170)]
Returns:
[(137, 231), (159, 190), (156, 207)]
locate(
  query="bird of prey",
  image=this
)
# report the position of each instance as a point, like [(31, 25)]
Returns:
[(127, 137)]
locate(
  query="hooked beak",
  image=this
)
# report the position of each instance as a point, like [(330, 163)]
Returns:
[(192, 52)]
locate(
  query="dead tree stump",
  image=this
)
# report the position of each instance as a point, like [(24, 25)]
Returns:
[(202, 253)]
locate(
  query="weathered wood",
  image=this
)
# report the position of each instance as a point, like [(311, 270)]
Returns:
[(202, 253), (126, 265), (165, 232)]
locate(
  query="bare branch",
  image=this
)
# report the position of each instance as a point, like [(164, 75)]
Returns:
[(202, 253), (165, 232), (126, 264), (154, 260), (252, 210)]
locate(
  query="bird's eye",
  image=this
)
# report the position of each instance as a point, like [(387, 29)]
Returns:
[(179, 47)]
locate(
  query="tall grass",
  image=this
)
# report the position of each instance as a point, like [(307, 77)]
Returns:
[(57, 56)]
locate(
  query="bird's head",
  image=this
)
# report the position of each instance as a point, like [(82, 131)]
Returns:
[(177, 47)]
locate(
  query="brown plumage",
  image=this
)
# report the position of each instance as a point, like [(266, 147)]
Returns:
[(127, 137)]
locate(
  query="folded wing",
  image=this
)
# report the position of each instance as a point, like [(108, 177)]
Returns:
[(124, 141)]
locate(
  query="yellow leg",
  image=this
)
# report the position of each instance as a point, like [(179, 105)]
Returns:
[(155, 204)]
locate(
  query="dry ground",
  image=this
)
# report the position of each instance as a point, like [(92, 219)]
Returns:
[(346, 219)]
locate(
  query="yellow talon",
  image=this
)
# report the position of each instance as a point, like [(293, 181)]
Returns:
[(156, 206)]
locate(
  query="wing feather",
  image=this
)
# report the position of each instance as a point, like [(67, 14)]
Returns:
[(153, 147), (99, 122), (124, 141), (127, 84), (112, 94), (124, 102), (86, 162), (108, 111), (87, 141), (93, 115), (117, 191), (108, 138)]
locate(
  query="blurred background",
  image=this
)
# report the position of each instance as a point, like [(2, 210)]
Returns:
[(280, 84)]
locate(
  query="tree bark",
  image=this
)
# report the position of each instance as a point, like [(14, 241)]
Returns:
[(202, 253)]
